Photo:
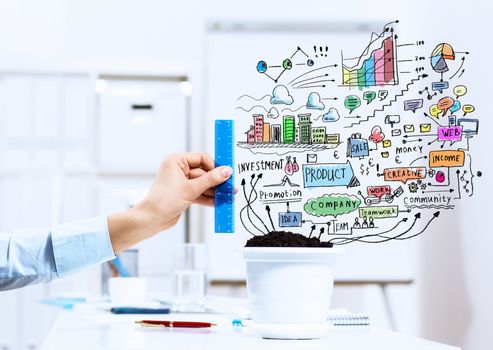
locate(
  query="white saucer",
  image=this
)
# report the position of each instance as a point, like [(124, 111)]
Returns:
[(291, 331)]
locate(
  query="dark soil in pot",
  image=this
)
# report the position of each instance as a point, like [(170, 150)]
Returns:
[(286, 239)]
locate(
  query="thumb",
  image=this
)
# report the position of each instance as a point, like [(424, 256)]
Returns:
[(210, 179)]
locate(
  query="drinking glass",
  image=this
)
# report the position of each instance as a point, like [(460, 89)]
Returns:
[(189, 278)]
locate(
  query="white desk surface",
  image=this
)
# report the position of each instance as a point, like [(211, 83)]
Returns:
[(91, 328)]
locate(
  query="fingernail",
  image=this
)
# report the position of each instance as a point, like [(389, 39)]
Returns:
[(226, 171)]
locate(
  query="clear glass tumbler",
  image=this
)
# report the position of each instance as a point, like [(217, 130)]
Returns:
[(189, 278)]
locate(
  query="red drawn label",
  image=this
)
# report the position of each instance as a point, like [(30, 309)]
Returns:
[(378, 191)]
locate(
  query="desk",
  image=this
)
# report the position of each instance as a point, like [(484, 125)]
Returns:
[(92, 328)]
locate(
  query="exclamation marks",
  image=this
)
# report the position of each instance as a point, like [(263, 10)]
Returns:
[(320, 51)]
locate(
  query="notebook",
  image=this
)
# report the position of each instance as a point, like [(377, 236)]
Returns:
[(338, 317), (349, 319)]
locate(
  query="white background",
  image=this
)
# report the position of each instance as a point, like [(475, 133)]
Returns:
[(454, 281)]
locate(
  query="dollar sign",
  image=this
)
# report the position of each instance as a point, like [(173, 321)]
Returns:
[(289, 166), (296, 167)]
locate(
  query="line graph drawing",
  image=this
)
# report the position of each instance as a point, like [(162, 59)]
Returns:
[(377, 64), (287, 64)]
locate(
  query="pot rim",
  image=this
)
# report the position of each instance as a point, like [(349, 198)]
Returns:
[(290, 254), (293, 250)]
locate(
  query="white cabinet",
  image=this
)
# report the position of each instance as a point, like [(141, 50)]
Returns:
[(139, 123)]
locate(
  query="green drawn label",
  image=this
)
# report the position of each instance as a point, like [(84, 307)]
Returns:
[(383, 212), (332, 205)]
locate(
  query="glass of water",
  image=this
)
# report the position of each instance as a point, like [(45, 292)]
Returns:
[(189, 278)]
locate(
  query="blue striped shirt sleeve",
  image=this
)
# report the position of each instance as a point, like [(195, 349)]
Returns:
[(31, 256)]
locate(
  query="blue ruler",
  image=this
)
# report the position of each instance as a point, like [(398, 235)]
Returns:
[(224, 209)]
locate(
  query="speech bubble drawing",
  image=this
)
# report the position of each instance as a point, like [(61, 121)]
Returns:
[(352, 102), (332, 205), (455, 107), (439, 86), (392, 119), (468, 109), (413, 105), (435, 111), (460, 90), (444, 104), (404, 174), (369, 96), (382, 94)]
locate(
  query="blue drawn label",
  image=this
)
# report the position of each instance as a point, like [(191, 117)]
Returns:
[(290, 219), (358, 148), (327, 175)]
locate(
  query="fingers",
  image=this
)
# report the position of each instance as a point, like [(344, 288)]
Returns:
[(210, 192), (201, 168), (197, 160), (196, 172), (203, 200), (207, 200), (212, 178)]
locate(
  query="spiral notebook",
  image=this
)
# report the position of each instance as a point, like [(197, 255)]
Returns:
[(337, 317), (349, 319)]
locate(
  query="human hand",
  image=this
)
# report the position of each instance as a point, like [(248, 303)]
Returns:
[(182, 179)]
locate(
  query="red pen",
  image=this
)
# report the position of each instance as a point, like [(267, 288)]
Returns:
[(172, 324)]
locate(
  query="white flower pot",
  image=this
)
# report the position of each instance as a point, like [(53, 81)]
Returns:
[(289, 290)]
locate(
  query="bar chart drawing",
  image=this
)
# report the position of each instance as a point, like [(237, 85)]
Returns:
[(374, 67)]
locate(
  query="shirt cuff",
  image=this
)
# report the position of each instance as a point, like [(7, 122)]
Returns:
[(80, 244)]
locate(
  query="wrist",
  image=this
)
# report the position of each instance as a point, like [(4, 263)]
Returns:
[(131, 226), (149, 216)]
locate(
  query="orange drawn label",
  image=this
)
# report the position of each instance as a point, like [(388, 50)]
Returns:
[(404, 174), (446, 158)]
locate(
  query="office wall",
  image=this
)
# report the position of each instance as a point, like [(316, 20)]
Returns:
[(454, 280), (456, 263)]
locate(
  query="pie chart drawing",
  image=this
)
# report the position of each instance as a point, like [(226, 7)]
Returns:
[(439, 57)]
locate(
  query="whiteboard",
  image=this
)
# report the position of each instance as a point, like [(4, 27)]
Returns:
[(231, 53)]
